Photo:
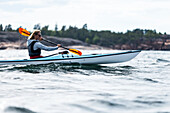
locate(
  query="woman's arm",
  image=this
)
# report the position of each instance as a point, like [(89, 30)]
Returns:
[(38, 45)]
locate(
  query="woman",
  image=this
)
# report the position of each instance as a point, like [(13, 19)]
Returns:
[(35, 46)]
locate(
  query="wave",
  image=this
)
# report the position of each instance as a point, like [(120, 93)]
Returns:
[(154, 102), (151, 80), (108, 103), (75, 68), (162, 60), (98, 102), (13, 109), (87, 108)]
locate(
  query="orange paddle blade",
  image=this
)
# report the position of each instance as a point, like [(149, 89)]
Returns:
[(24, 32), (76, 51)]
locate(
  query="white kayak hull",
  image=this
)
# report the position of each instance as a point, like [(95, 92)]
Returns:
[(84, 59)]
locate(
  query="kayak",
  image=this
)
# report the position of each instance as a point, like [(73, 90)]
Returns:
[(76, 59)]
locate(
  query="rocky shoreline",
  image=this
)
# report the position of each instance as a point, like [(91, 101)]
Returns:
[(13, 40)]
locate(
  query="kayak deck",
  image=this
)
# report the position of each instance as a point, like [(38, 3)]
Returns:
[(84, 59)]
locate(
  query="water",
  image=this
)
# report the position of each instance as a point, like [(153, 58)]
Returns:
[(141, 85)]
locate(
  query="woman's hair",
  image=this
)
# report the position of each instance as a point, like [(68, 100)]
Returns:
[(34, 32)]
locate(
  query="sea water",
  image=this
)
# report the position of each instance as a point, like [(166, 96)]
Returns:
[(141, 85)]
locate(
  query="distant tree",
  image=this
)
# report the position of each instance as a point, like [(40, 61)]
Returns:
[(1, 27), (138, 32), (8, 27), (150, 34), (71, 32), (44, 30), (62, 33), (63, 28), (56, 30), (87, 40), (84, 26), (52, 33), (96, 39), (37, 26)]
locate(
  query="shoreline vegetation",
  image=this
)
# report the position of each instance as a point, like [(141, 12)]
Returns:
[(82, 38)]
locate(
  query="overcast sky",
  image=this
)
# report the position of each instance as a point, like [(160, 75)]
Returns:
[(114, 15)]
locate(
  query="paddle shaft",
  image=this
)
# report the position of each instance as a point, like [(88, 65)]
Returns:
[(71, 50), (54, 43), (64, 52)]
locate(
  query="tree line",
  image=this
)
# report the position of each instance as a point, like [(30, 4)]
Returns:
[(105, 38)]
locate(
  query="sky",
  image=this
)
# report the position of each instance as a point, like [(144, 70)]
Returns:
[(113, 15)]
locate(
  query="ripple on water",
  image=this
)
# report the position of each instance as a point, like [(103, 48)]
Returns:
[(149, 102), (86, 108), (107, 103), (14, 109), (151, 80), (162, 60)]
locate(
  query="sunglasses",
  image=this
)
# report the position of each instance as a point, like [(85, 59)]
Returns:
[(39, 35)]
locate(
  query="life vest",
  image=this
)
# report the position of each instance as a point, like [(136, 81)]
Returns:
[(33, 52)]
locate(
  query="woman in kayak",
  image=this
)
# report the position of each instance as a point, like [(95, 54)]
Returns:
[(35, 46)]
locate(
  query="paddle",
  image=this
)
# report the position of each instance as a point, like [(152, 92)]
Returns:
[(24, 32), (71, 50), (63, 52)]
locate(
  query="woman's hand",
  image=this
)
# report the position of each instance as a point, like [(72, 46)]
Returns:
[(59, 45), (41, 38)]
